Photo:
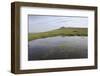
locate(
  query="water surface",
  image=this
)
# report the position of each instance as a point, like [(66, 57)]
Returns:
[(68, 47)]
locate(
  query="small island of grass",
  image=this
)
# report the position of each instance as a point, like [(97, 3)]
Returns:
[(59, 32)]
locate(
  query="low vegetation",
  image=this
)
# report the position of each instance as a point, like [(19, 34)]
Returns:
[(59, 32)]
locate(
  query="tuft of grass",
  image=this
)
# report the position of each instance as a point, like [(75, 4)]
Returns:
[(59, 32)]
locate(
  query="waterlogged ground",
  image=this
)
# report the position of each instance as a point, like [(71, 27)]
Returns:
[(67, 47)]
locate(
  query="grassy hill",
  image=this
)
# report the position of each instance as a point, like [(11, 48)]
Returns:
[(59, 32)]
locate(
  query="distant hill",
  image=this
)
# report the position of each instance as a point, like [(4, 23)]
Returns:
[(72, 27), (63, 31)]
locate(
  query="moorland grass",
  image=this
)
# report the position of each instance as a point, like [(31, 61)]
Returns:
[(59, 32)]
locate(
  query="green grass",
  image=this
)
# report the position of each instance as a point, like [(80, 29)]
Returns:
[(59, 32)]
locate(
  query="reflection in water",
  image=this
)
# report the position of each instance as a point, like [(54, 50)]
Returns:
[(68, 47)]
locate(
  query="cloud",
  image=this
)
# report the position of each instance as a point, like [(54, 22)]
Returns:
[(40, 23)]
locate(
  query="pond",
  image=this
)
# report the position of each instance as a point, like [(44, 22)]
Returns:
[(59, 47)]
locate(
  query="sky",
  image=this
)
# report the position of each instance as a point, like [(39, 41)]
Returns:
[(42, 23)]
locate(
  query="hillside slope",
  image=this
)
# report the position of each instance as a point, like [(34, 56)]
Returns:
[(59, 32)]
